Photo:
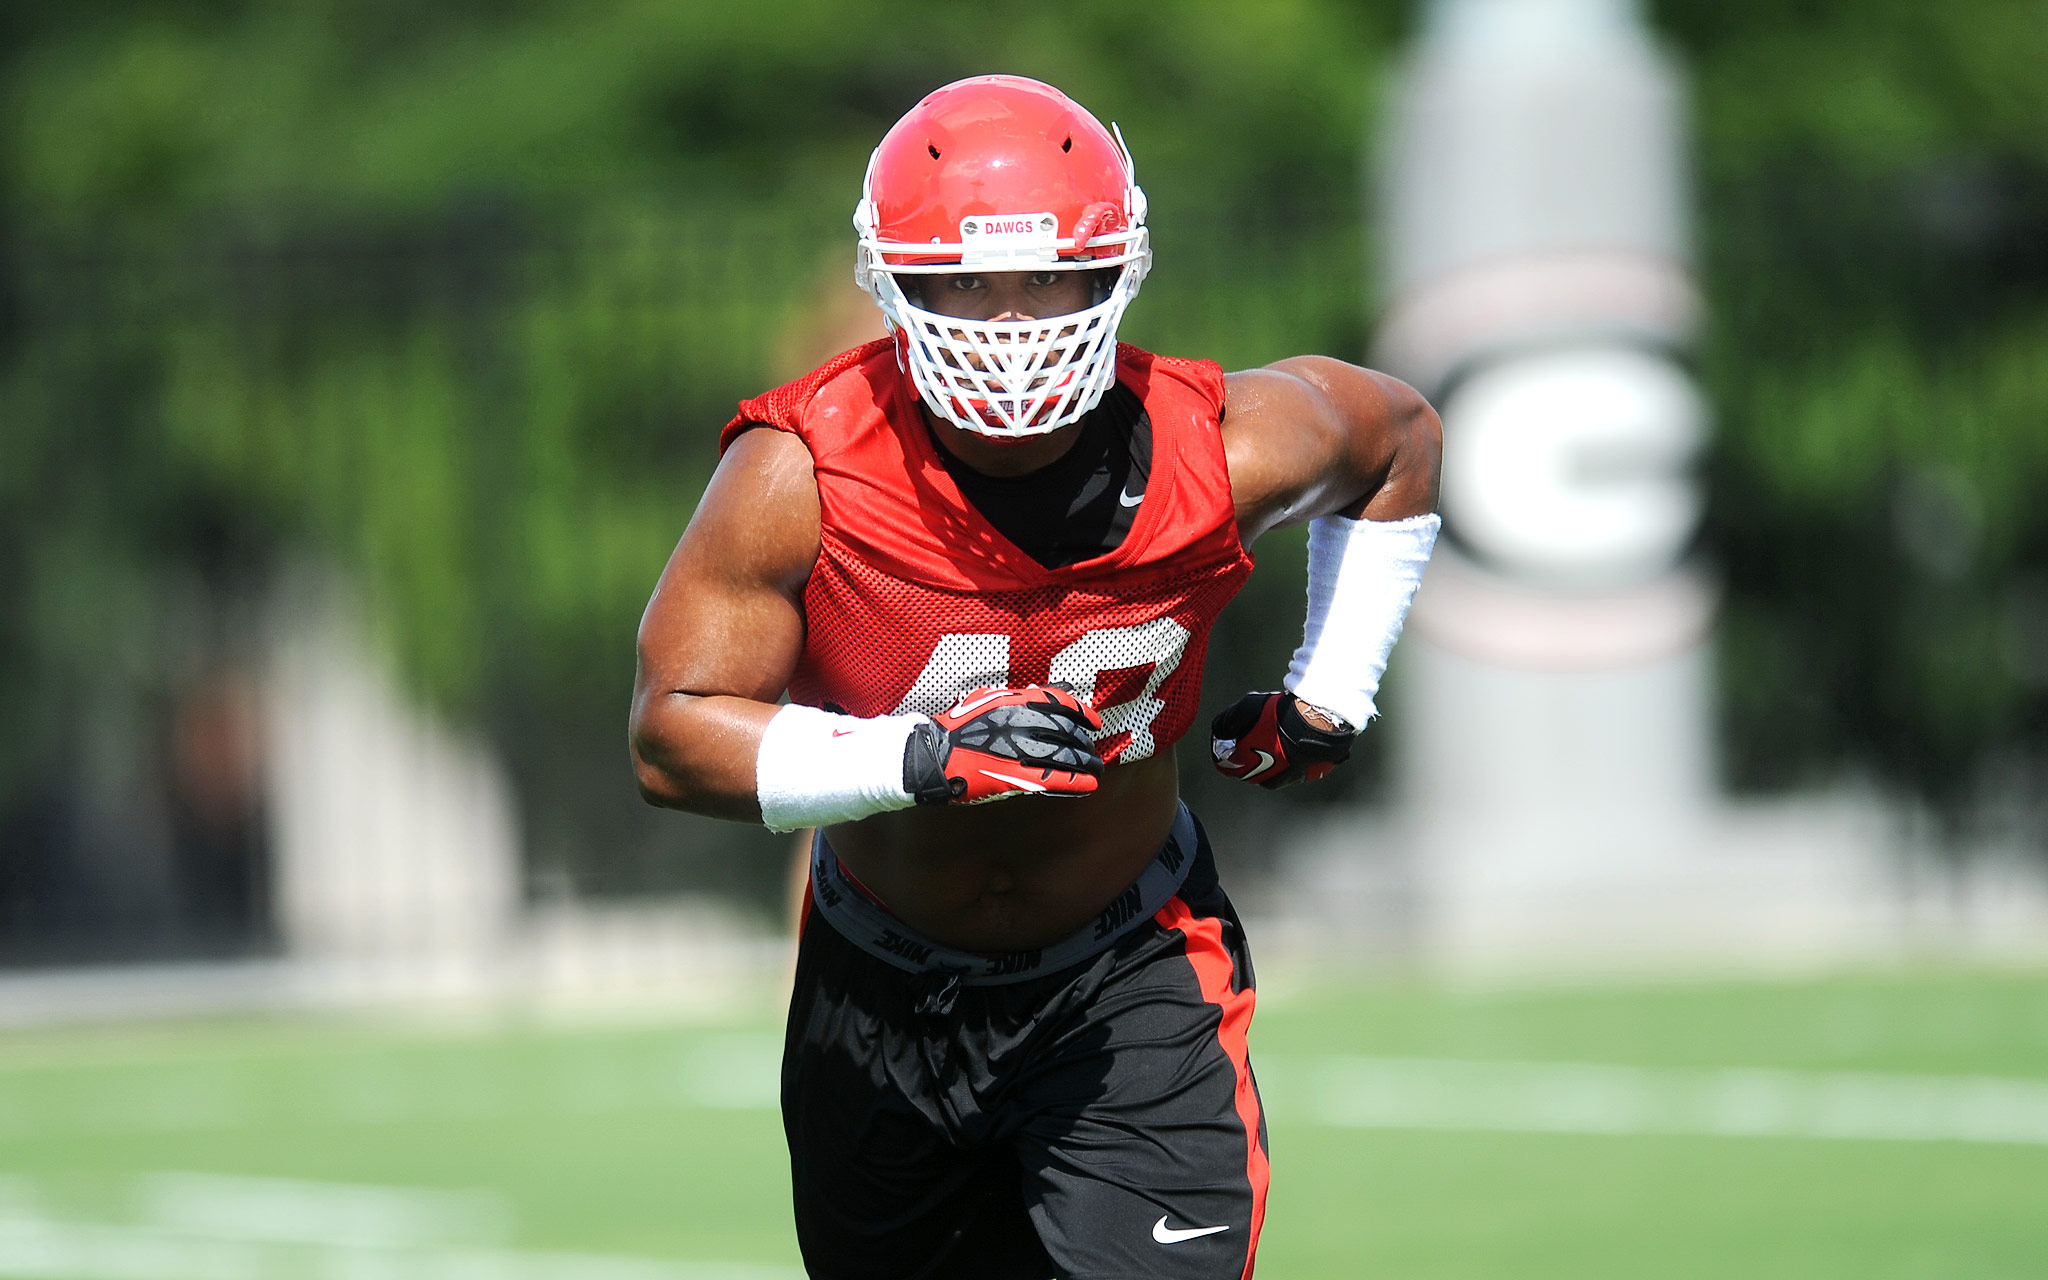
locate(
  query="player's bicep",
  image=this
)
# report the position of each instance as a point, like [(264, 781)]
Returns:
[(1284, 447), (1311, 436), (726, 617), (1392, 439)]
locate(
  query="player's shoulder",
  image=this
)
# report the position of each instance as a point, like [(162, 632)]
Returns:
[(786, 407), (1284, 390), (1281, 387), (1280, 429), (1146, 369)]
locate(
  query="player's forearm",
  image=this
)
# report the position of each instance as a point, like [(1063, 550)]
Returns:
[(797, 766), (782, 766), (698, 753), (1362, 576)]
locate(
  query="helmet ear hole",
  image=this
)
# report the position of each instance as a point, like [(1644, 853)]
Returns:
[(934, 150), (1068, 145)]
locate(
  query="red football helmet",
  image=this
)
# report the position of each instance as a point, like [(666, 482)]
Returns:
[(1001, 173)]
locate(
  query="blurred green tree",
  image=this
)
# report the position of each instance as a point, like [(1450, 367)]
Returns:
[(458, 299), (454, 296), (1875, 190)]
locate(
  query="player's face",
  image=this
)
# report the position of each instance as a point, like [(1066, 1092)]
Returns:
[(1008, 295)]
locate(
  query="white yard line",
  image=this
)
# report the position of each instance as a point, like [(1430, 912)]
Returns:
[(1573, 1097), (210, 1227), (345, 1215), (42, 1249), (738, 1070)]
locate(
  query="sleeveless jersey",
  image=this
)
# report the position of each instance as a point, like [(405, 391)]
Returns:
[(916, 600)]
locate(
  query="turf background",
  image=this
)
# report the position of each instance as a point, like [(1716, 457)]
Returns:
[(659, 1139)]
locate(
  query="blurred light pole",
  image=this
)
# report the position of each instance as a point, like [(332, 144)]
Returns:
[(1556, 759)]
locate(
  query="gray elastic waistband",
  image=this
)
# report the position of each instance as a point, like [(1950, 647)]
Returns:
[(870, 926)]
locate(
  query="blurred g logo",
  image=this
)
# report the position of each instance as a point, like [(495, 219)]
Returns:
[(1571, 466)]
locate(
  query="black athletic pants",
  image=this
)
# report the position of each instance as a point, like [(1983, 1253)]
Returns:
[(1099, 1122)]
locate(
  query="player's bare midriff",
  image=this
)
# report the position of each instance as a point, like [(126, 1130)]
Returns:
[(1019, 873)]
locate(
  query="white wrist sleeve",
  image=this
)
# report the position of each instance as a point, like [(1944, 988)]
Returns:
[(1362, 574), (817, 768)]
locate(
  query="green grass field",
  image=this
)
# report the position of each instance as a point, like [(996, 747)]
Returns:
[(1861, 1127)]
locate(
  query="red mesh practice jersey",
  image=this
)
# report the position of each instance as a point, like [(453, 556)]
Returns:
[(916, 599)]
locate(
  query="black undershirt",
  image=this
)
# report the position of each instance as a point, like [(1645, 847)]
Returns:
[(1079, 506)]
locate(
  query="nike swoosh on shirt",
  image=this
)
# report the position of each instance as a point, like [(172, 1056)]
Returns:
[(1169, 1235), (1130, 499)]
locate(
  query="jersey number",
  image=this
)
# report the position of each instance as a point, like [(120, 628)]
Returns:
[(964, 661)]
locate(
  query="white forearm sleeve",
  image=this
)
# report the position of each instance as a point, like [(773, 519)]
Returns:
[(1362, 574), (817, 768)]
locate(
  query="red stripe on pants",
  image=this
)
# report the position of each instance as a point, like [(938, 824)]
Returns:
[(1214, 970)]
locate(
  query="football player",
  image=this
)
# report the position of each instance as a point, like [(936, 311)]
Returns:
[(982, 557)]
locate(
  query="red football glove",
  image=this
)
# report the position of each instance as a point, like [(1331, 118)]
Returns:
[(993, 743), (1263, 738)]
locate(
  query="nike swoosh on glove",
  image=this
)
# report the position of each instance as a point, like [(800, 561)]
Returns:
[(995, 743), (1263, 738)]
